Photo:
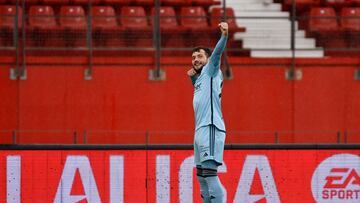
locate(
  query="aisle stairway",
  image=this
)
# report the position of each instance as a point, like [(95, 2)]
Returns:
[(268, 30)]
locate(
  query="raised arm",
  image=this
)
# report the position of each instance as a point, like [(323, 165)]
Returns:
[(214, 61)]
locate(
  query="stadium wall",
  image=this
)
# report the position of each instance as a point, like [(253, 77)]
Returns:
[(121, 97)]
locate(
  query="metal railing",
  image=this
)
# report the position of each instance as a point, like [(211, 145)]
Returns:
[(173, 137)]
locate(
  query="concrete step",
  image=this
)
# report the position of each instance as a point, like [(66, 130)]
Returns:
[(316, 53), (265, 24), (268, 33), (278, 43)]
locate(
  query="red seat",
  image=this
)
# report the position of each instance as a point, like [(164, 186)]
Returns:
[(205, 3), (7, 16), (134, 17), (103, 17), (350, 20), (323, 19), (217, 15), (72, 17), (7, 24), (104, 25), (63, 2), (42, 17), (73, 23), (171, 32), (42, 26), (137, 29), (193, 18), (167, 18)]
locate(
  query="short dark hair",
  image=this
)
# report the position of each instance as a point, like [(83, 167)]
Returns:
[(207, 50)]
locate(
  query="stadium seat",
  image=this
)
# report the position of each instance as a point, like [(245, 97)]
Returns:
[(350, 23), (134, 17), (103, 17), (324, 27), (350, 20), (171, 32), (104, 24), (42, 17), (193, 18), (7, 24), (7, 16), (323, 19), (42, 25), (167, 18), (135, 23), (205, 3), (73, 24)]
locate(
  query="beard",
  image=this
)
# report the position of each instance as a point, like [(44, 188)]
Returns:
[(198, 71)]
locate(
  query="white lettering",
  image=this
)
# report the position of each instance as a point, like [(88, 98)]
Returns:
[(63, 193), (116, 179), (252, 163), (162, 178), (13, 179)]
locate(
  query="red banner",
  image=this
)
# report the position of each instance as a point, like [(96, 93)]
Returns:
[(168, 176)]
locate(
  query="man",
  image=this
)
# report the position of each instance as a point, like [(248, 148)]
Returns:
[(209, 138)]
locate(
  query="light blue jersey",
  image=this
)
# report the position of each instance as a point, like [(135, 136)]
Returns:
[(207, 93)]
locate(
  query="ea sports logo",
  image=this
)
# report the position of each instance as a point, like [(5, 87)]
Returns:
[(337, 179)]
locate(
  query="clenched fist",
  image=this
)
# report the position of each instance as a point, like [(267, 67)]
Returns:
[(191, 72), (224, 27)]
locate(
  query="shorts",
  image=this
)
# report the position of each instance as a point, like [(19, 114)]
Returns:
[(209, 144)]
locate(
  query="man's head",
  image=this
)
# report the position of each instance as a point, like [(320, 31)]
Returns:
[(200, 57)]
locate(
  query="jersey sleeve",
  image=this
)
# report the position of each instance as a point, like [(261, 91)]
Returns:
[(214, 61)]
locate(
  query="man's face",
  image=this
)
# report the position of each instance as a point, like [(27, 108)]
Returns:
[(199, 59)]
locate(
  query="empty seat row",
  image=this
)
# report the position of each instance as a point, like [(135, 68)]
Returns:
[(70, 24), (120, 2), (106, 17), (325, 19)]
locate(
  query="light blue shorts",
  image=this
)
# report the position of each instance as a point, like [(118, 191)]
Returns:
[(209, 144)]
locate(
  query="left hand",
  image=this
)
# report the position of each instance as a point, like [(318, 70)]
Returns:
[(224, 27)]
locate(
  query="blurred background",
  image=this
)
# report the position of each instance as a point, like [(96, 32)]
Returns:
[(114, 71)]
